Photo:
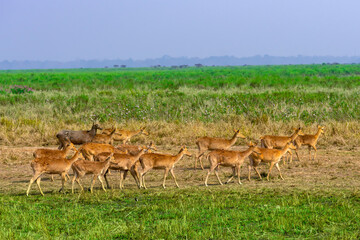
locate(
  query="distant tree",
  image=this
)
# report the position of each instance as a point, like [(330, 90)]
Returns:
[(198, 65), (116, 66), (123, 66)]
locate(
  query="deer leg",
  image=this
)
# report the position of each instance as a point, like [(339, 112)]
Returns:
[(313, 146), (238, 173), (278, 168), (291, 155), (122, 174), (198, 158), (135, 175), (249, 174), (297, 154), (72, 183), (309, 153), (38, 184), (271, 166), (172, 173), (217, 174), (102, 183), (142, 177), (92, 184), (63, 180), (212, 167), (52, 177), (166, 172), (255, 168), (232, 176), (106, 180)]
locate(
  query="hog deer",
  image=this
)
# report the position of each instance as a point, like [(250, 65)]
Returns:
[(125, 135), (89, 150), (77, 137), (279, 142), (124, 163), (160, 161), (266, 155), (310, 141), (134, 149), (52, 166), (210, 143), (227, 158), (104, 138), (83, 167), (54, 153)]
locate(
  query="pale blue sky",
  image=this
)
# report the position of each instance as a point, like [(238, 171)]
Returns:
[(87, 29)]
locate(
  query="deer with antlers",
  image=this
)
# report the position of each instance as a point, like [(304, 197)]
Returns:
[(77, 137)]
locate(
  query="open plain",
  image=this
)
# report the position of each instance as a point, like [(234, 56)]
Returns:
[(317, 198)]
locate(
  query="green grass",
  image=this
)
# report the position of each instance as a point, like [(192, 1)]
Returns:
[(250, 97), (248, 77), (197, 213)]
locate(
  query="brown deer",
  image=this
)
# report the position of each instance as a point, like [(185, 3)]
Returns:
[(89, 150), (83, 167), (279, 142), (226, 158), (125, 135), (104, 138), (134, 149), (160, 161), (77, 137), (54, 153), (124, 163), (266, 155), (210, 143), (52, 166), (310, 141)]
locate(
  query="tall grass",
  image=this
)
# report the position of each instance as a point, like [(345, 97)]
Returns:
[(250, 97)]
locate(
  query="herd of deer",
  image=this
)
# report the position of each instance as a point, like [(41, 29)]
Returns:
[(98, 156)]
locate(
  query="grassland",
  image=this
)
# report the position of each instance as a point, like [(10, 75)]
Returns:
[(256, 99), (182, 214), (316, 200)]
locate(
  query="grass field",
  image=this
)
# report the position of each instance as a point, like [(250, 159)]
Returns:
[(183, 214), (317, 199), (266, 99)]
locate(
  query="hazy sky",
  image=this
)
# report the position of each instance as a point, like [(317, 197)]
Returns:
[(103, 29)]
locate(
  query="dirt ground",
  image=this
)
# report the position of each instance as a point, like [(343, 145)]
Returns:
[(334, 169)]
